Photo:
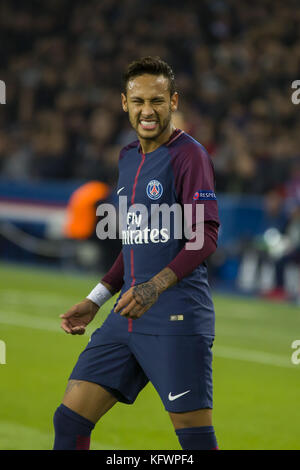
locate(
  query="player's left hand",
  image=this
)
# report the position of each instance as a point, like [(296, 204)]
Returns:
[(137, 300)]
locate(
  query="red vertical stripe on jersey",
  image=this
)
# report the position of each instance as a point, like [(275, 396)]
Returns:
[(136, 178), (132, 267), (131, 251), (132, 284)]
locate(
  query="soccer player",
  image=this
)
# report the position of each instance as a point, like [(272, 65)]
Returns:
[(161, 328)]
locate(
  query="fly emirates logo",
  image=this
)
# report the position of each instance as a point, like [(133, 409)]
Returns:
[(138, 224), (137, 235)]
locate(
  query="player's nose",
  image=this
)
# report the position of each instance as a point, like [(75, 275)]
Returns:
[(147, 111)]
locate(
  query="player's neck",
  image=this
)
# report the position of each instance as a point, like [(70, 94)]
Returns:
[(149, 145)]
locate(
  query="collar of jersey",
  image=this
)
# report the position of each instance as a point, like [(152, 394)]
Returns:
[(174, 133)]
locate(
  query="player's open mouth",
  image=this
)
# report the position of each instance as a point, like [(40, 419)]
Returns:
[(149, 125)]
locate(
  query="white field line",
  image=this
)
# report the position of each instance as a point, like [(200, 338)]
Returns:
[(42, 304), (37, 323), (18, 297), (38, 298), (27, 321), (249, 355), (12, 433), (40, 312), (21, 298), (237, 314)]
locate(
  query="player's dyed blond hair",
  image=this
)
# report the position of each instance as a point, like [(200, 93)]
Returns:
[(152, 66)]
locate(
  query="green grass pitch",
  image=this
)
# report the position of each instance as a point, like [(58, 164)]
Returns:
[(256, 386)]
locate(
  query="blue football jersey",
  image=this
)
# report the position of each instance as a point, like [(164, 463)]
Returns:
[(178, 172)]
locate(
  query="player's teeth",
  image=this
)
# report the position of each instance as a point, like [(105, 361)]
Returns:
[(148, 123)]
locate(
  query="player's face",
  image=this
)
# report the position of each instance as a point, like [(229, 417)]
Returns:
[(149, 105)]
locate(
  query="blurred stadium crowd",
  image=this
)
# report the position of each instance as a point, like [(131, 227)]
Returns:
[(62, 62)]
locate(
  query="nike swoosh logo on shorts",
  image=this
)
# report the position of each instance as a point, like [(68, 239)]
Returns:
[(174, 397), (119, 190)]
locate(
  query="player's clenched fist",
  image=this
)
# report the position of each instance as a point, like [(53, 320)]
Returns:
[(75, 320)]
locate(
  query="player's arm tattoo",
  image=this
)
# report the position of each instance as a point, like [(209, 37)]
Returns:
[(72, 384), (165, 279), (147, 293)]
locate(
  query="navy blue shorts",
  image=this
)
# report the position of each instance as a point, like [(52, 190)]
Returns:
[(179, 367)]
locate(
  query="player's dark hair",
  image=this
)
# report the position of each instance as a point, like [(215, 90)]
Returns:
[(152, 66)]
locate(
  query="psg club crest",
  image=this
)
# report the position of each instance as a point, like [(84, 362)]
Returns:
[(154, 189)]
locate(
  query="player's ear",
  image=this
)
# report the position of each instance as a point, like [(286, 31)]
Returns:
[(174, 102), (124, 102)]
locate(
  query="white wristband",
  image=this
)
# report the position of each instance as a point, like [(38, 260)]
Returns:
[(99, 295)]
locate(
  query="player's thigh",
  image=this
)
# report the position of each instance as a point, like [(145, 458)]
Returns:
[(180, 368), (105, 372), (88, 399)]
